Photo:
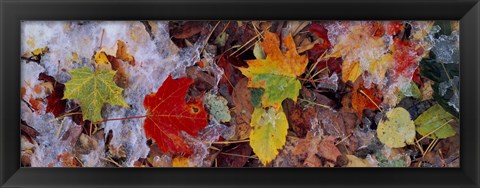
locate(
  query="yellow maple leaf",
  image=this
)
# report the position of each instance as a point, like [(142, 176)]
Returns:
[(101, 58), (269, 133), (180, 161)]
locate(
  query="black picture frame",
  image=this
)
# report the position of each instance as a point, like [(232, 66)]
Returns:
[(13, 11)]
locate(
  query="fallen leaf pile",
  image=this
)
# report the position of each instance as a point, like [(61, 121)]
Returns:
[(240, 94)]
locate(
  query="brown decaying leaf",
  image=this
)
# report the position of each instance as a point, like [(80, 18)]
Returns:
[(28, 131), (119, 62), (301, 117), (309, 148), (71, 135), (328, 150), (55, 104), (203, 82), (67, 159), (286, 157), (235, 156), (187, 29), (85, 144), (242, 113)]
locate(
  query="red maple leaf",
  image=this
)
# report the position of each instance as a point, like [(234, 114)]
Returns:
[(321, 32), (406, 56), (55, 103), (168, 115), (394, 27)]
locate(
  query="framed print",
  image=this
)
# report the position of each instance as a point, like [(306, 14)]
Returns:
[(159, 91)]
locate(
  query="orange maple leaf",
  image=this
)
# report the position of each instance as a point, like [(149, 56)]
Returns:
[(363, 98)]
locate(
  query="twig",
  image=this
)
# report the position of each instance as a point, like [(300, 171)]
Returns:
[(59, 129), (79, 161), (67, 114), (246, 49), (433, 131), (419, 147), (109, 159), (431, 145), (208, 37), (315, 64), (116, 119), (371, 100), (101, 39), (343, 139), (237, 155), (230, 142), (314, 103), (248, 42)]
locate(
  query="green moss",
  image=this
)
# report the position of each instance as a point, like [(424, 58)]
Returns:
[(217, 107)]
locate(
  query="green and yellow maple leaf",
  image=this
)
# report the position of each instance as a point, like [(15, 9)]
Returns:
[(93, 89), (269, 133), (277, 73)]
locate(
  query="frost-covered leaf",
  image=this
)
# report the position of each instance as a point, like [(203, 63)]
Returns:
[(445, 86), (358, 48), (397, 129), (168, 115), (379, 67), (277, 74), (268, 134), (93, 89), (432, 119), (407, 55)]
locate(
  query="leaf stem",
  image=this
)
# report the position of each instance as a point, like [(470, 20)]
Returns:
[(208, 37), (314, 103), (230, 142), (116, 119), (237, 155), (371, 100), (343, 139), (435, 130)]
